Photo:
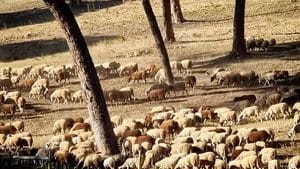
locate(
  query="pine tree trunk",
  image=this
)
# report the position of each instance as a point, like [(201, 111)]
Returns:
[(239, 46), (158, 40), (100, 121), (168, 21), (177, 13)]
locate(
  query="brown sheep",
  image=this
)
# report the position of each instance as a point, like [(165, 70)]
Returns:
[(25, 83), (69, 122), (8, 109), (137, 76), (251, 98), (144, 138), (157, 94), (133, 133), (208, 114), (178, 86), (260, 135), (9, 129), (171, 127), (81, 126), (190, 81), (60, 76), (78, 120)]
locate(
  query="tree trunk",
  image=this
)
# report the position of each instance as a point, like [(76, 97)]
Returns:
[(104, 135), (158, 40), (239, 46), (168, 21), (177, 13)]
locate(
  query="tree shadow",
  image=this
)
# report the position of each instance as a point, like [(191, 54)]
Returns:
[(36, 48), (42, 15)]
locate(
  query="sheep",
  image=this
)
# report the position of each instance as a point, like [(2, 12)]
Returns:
[(247, 162), (111, 161), (248, 77), (58, 94), (19, 125), (151, 156), (266, 155), (187, 131), (127, 69), (179, 140), (157, 94), (175, 65), (145, 138), (187, 65), (275, 110), (5, 83), (289, 98), (59, 126), (293, 131), (227, 116), (268, 79), (92, 160), (156, 86), (240, 105), (8, 109), (169, 162), (178, 86), (137, 76), (273, 99), (78, 96), (134, 133), (243, 134), (294, 162), (128, 93), (184, 122), (41, 83), (247, 112), (232, 141), (251, 98), (170, 126), (191, 160), (81, 126), (60, 76), (274, 164), (37, 92), (261, 102), (130, 163), (219, 164), (260, 135), (13, 95), (250, 147), (21, 101), (229, 78), (181, 148), (222, 151), (190, 81), (157, 133), (160, 76), (112, 66), (119, 130)]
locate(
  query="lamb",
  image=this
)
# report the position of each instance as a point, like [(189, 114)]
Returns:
[(294, 162), (8, 109), (190, 81), (191, 160), (251, 98), (293, 131), (175, 65), (58, 94), (187, 65), (78, 96), (275, 110), (137, 76), (247, 112)]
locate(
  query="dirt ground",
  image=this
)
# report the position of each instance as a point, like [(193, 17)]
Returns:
[(30, 36)]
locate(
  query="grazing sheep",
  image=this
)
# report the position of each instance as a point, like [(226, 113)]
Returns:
[(294, 162), (260, 135), (59, 126), (191, 160), (130, 163), (157, 94), (169, 162), (181, 148), (128, 69), (178, 86), (266, 155), (232, 141), (157, 133), (8, 109), (273, 99), (227, 116), (78, 96), (222, 151), (248, 77), (92, 160), (207, 114), (219, 164), (290, 98), (58, 94), (275, 110), (171, 127), (190, 81), (247, 162), (247, 112), (111, 161), (128, 93), (293, 131), (268, 78)]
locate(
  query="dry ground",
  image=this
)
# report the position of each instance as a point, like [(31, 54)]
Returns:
[(30, 36)]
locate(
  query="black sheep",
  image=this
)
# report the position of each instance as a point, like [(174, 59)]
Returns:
[(290, 98), (251, 98)]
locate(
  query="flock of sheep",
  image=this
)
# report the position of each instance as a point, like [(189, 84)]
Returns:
[(164, 138)]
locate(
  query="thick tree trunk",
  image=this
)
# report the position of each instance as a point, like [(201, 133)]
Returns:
[(177, 13), (166, 5), (104, 136), (239, 46), (158, 40)]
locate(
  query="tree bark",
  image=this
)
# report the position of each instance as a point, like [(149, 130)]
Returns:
[(160, 45), (168, 21), (177, 12), (239, 46), (105, 138)]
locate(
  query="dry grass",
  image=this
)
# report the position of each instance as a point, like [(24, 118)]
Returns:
[(120, 29)]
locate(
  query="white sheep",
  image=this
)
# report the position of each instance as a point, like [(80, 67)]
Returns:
[(169, 162), (222, 151), (59, 126), (175, 65), (184, 122), (225, 117), (273, 164), (58, 94), (130, 163), (92, 160), (120, 130), (294, 162), (247, 162), (187, 65), (181, 148), (110, 162), (232, 141), (78, 96), (219, 164), (179, 140), (43, 83), (248, 112), (191, 160), (160, 76), (250, 146), (157, 133), (37, 92), (275, 110), (187, 131)]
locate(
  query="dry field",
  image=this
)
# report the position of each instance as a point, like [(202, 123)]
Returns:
[(30, 36)]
